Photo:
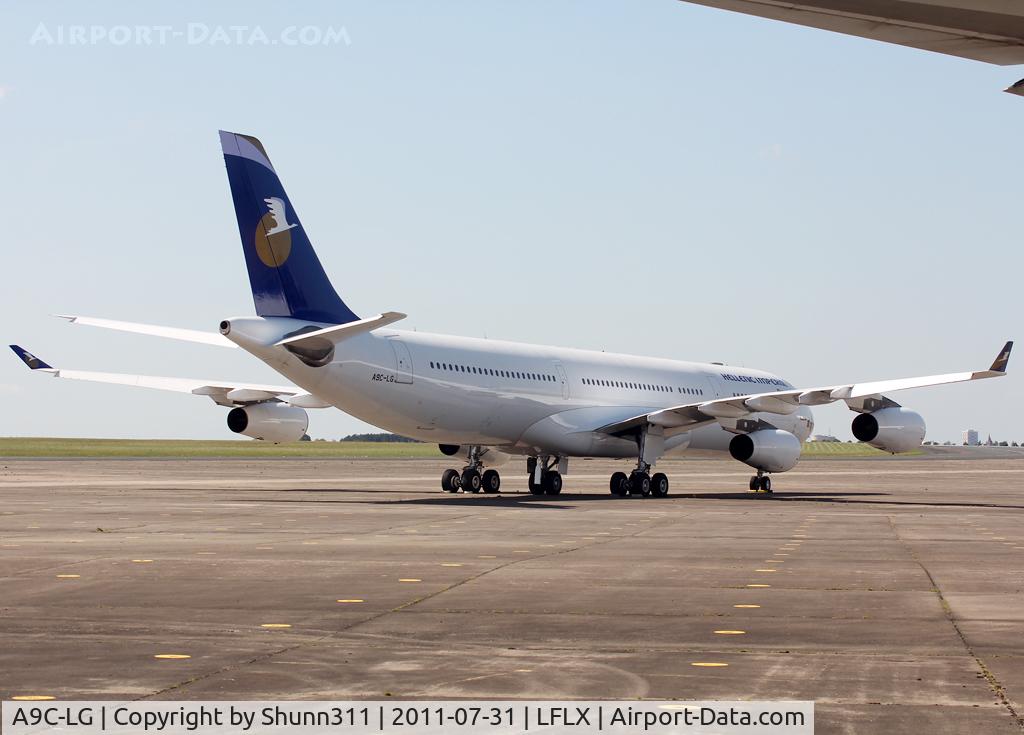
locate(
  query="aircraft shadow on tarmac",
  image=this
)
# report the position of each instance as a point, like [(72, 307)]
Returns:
[(526, 500)]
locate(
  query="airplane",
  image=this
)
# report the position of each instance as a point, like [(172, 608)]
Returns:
[(983, 30), (484, 401)]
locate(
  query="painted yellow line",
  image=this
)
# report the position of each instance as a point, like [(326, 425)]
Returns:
[(175, 656), (69, 576), (33, 698), (765, 570), (747, 607), (410, 579), (354, 599), (206, 553), (520, 551), (731, 632), (523, 671), (708, 663), (774, 561), (450, 564), (142, 561), (276, 625), (487, 556), (758, 585)]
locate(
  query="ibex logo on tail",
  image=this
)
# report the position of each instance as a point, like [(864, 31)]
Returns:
[(273, 241)]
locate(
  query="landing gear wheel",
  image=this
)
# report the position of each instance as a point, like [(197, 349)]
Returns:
[(659, 485), (618, 484), (640, 482), (755, 483), (766, 484), (471, 481), (450, 482), (552, 483), (491, 481), (536, 488)]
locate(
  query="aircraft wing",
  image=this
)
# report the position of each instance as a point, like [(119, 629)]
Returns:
[(222, 392), (732, 412), (983, 30)]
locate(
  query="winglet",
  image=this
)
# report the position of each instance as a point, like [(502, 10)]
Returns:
[(33, 362), (1002, 359)]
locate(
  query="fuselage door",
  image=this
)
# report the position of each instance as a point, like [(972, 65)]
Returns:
[(560, 371), (403, 360)]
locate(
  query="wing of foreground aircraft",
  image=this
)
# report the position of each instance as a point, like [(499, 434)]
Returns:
[(221, 392), (983, 30), (733, 412)]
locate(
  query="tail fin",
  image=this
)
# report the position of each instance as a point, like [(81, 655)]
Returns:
[(284, 272), (33, 362)]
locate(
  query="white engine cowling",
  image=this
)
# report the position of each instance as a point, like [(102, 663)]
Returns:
[(890, 429), (771, 450), (272, 422), (488, 456)]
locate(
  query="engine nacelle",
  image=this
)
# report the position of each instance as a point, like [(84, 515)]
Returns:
[(771, 450), (272, 422), (488, 457), (890, 429)]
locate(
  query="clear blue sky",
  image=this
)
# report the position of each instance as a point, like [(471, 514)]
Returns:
[(648, 177)]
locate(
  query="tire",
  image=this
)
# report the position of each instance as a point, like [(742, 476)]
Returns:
[(766, 484), (450, 481), (617, 482), (535, 488), (552, 483), (491, 481), (659, 485), (641, 483), (471, 482), (754, 483)]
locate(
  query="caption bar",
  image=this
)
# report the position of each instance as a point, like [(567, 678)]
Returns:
[(409, 718)]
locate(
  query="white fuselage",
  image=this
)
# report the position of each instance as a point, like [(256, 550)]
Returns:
[(519, 398)]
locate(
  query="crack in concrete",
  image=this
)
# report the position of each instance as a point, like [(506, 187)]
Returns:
[(334, 634), (990, 678)]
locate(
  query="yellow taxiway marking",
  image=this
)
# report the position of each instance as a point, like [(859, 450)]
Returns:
[(310, 543), (142, 561), (450, 564), (765, 570), (354, 599), (69, 576), (758, 585), (174, 656), (276, 625), (523, 671), (521, 551), (31, 527), (11, 546), (410, 579), (731, 632), (264, 548), (487, 556), (774, 561), (783, 554), (999, 538), (710, 664), (799, 535), (206, 553), (747, 607), (33, 698)]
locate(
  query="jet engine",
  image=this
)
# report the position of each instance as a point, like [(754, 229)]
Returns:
[(890, 429), (272, 422), (488, 457), (770, 450)]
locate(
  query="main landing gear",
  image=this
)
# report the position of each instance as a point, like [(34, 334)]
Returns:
[(550, 478), (639, 482), (470, 480), (761, 483)]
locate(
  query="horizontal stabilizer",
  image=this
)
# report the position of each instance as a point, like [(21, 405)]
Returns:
[(186, 335), (341, 332)]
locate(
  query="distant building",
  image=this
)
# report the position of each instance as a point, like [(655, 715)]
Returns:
[(989, 442), (823, 438), (971, 438)]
